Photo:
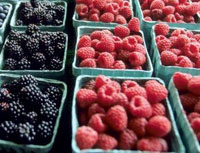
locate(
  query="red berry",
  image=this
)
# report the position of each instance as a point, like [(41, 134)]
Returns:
[(118, 43), (191, 49), (194, 85), (94, 17), (119, 65), (101, 80), (94, 11), (96, 122), (168, 58), (157, 4), (188, 101), (121, 99), (96, 35), (123, 55), (86, 52), (181, 80), (84, 41), (106, 142), (192, 9), (121, 31), (120, 19), (128, 84), (184, 61), (182, 40), (157, 14), (140, 48), (192, 116), (89, 62), (170, 18), (195, 124), (158, 109), (129, 43), (147, 18), (134, 24), (134, 91), (161, 29), (105, 60), (117, 118), (168, 10), (106, 44), (173, 2), (125, 11), (176, 51), (197, 107), (137, 59), (112, 8), (164, 44), (87, 2), (116, 85), (86, 137), (90, 85), (94, 109), (146, 13), (83, 118), (139, 39), (82, 10), (99, 4), (107, 17)]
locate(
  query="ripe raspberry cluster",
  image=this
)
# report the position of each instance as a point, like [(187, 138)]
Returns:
[(189, 91), (122, 115), (179, 47), (117, 11), (121, 49), (173, 11)]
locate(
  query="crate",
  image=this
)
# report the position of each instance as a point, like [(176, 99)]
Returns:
[(52, 74), (77, 22), (166, 72), (43, 27), (5, 26), (110, 72), (21, 148), (188, 136), (174, 138)]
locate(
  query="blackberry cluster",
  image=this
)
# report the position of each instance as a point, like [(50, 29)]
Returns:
[(27, 111), (34, 50), (40, 13)]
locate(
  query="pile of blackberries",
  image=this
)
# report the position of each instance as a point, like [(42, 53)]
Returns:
[(28, 112), (40, 13), (34, 50), (4, 9)]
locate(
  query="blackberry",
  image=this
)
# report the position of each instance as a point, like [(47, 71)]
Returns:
[(39, 14), (34, 3), (43, 67), (24, 64), (49, 51), (26, 80), (32, 117), (24, 39), (26, 5), (52, 13), (45, 132), (32, 46), (60, 10), (16, 110), (54, 94), (10, 64), (60, 49), (13, 86), (24, 12), (38, 59), (49, 110), (32, 97), (8, 130), (60, 37), (37, 36), (16, 52), (14, 35), (10, 44), (55, 64), (45, 41), (4, 111), (4, 95), (48, 19), (31, 29), (25, 133), (19, 22)]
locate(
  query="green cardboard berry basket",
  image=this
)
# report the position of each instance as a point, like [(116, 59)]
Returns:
[(147, 25), (110, 72), (5, 27), (77, 22), (43, 27), (188, 136), (175, 142), (166, 72), (52, 74), (31, 148), (1, 42)]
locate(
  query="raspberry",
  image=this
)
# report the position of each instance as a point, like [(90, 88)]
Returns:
[(158, 109), (156, 92), (150, 144), (178, 32), (134, 91), (146, 13), (188, 101), (140, 48), (117, 118), (168, 10), (101, 80), (106, 142), (125, 11), (191, 49), (194, 85), (157, 4), (107, 17), (176, 51), (197, 37), (182, 40), (90, 85), (170, 18), (86, 137), (108, 32), (119, 65), (181, 9), (82, 10), (120, 99), (195, 124), (134, 24), (138, 125), (168, 58), (127, 139), (96, 35), (112, 8), (164, 44), (137, 58), (184, 61), (198, 63), (86, 52), (120, 19), (173, 40), (137, 67), (161, 29), (106, 44), (123, 55), (96, 122), (89, 62), (83, 118), (129, 43), (128, 84), (118, 43), (86, 97), (192, 9), (181, 80), (159, 38), (94, 11), (182, 1), (173, 2), (94, 42), (179, 17), (86, 2), (156, 14), (116, 85), (94, 109), (105, 60), (121, 31), (94, 17), (84, 41), (158, 126), (99, 4), (189, 19), (197, 107), (139, 39), (147, 18), (192, 116)]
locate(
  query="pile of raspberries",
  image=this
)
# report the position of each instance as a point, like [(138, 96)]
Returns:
[(117, 11), (189, 91), (121, 49), (173, 11), (122, 115), (179, 47)]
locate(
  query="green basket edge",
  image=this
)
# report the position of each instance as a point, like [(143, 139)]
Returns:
[(75, 123), (35, 71), (178, 108), (79, 71), (49, 27), (63, 101)]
